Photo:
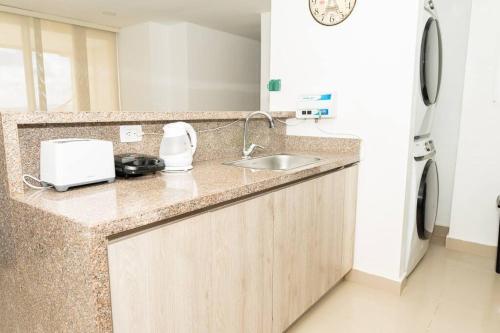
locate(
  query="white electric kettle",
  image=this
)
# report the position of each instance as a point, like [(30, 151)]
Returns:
[(178, 147)]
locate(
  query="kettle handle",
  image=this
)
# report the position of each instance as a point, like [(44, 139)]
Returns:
[(192, 136)]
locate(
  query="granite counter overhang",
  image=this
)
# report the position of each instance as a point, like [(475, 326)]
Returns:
[(125, 205)]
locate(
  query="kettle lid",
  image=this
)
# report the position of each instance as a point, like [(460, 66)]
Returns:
[(174, 129)]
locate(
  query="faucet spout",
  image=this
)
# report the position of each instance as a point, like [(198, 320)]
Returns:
[(247, 151)]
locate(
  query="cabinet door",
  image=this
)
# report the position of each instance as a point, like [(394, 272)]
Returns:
[(294, 234), (350, 205), (209, 273), (307, 245), (242, 267), (330, 207), (160, 279)]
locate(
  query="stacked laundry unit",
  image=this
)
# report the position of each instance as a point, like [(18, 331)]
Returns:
[(424, 193)]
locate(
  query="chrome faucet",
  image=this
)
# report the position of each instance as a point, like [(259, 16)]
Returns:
[(247, 151)]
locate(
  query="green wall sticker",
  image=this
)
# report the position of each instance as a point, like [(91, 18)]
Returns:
[(274, 85)]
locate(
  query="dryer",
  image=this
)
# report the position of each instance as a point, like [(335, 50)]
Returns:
[(424, 202), (430, 64)]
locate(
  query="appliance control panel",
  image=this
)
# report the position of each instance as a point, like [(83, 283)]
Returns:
[(429, 146), (424, 148), (316, 106)]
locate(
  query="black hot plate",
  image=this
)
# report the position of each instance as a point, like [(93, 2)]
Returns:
[(129, 165)]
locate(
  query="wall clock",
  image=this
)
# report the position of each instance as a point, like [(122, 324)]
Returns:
[(331, 12)]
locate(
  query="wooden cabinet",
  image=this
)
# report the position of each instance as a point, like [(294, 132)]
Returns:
[(308, 245), (160, 279), (241, 274), (349, 229), (254, 266), (208, 273)]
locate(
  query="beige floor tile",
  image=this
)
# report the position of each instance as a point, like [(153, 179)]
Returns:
[(461, 317), (448, 292), (475, 288)]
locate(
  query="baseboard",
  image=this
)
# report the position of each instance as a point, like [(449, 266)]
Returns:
[(439, 235), (440, 231), (471, 248), (376, 282)]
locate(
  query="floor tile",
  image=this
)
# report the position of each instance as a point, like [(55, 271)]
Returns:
[(448, 292)]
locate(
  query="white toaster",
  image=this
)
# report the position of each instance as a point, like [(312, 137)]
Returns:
[(66, 163)]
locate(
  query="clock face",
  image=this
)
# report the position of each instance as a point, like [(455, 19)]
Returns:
[(331, 12)]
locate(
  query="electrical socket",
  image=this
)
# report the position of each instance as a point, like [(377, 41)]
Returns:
[(313, 113), (131, 133)]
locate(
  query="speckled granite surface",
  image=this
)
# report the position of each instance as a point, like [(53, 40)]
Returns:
[(114, 208), (211, 145), (25, 118), (23, 132), (53, 263)]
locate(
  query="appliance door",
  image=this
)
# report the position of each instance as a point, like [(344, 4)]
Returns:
[(431, 62), (428, 197)]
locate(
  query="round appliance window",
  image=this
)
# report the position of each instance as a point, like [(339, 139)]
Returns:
[(431, 62), (428, 197)]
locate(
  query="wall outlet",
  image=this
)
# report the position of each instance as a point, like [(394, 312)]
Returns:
[(314, 113), (131, 133)]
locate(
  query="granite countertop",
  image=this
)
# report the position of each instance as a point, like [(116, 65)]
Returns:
[(129, 204)]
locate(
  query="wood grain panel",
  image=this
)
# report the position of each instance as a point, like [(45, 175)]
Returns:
[(253, 266), (310, 241), (350, 206), (307, 245), (330, 194), (294, 225), (242, 267), (159, 280), (210, 273)]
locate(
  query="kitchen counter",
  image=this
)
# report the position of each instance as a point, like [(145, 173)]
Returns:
[(138, 202), (54, 263)]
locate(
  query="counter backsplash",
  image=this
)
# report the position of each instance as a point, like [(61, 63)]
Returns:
[(23, 133), (224, 143)]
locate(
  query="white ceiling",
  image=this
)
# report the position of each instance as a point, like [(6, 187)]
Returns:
[(240, 17)]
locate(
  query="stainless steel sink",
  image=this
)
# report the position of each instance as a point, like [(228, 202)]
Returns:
[(276, 162)]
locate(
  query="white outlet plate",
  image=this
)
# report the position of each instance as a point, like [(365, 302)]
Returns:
[(131, 133)]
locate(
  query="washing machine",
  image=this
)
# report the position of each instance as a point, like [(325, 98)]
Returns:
[(430, 67), (424, 202)]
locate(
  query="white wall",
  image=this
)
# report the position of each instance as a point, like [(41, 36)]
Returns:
[(134, 60), (186, 67), (170, 67), (153, 73), (265, 60), (454, 18), (224, 71), (474, 215), (369, 60)]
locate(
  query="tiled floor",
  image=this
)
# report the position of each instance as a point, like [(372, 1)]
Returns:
[(448, 292)]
